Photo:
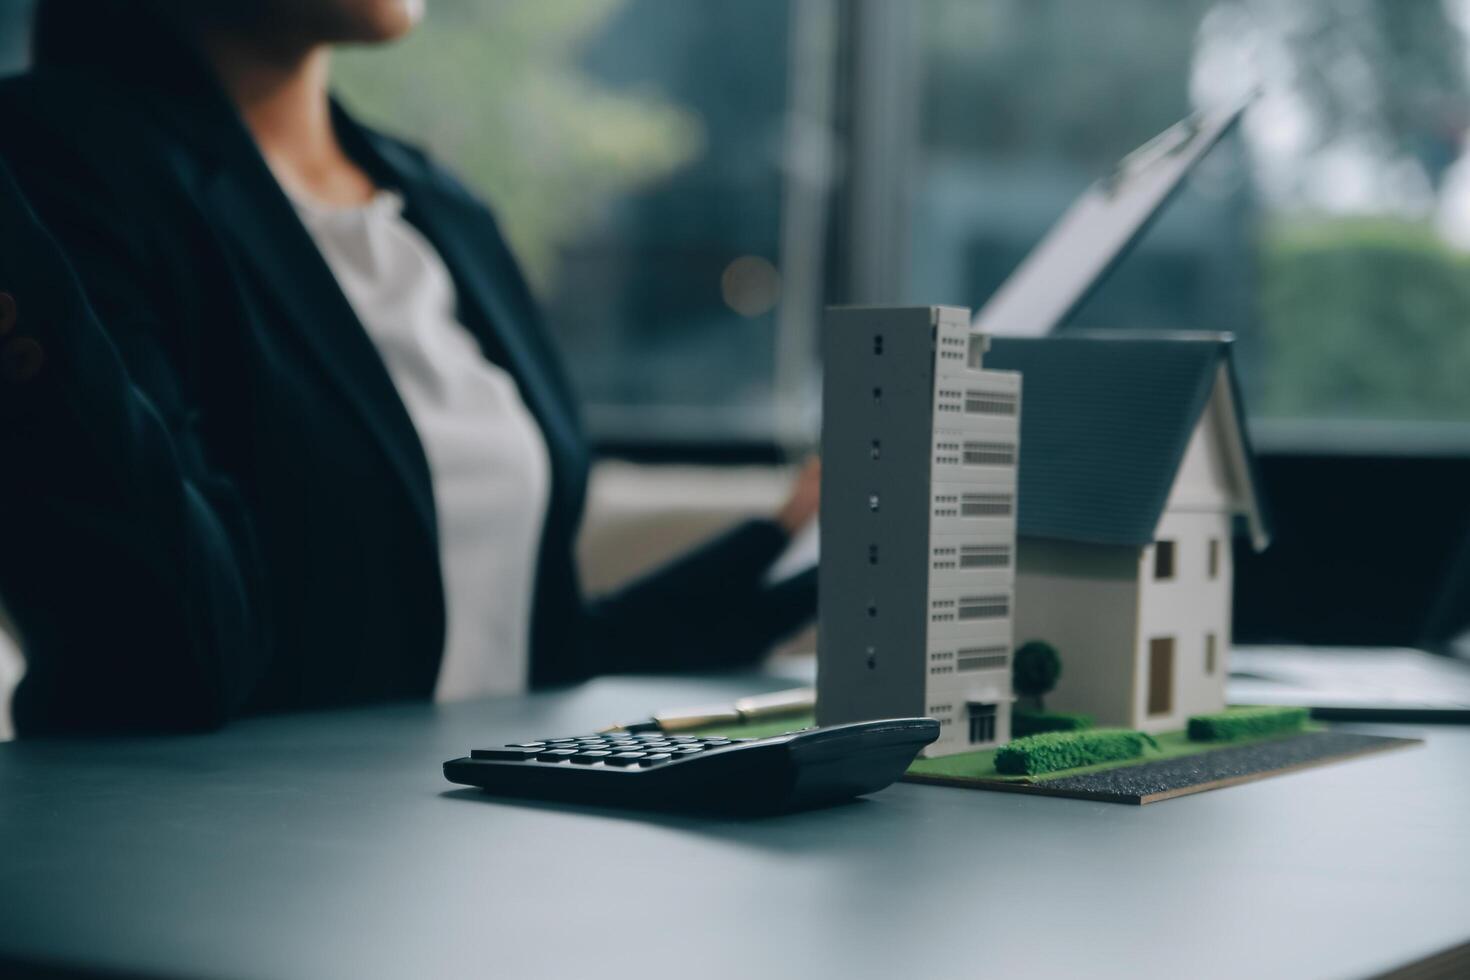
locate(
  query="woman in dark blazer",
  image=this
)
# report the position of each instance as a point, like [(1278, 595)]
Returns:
[(215, 500)]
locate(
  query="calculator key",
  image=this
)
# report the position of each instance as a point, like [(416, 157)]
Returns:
[(625, 758), (655, 759), (510, 753), (556, 755), (650, 736), (688, 750), (587, 758), (526, 745), (683, 738)]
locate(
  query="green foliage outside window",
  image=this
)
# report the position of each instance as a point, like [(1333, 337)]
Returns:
[(494, 89), (1364, 318)]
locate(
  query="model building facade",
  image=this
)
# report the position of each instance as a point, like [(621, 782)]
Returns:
[(1138, 468), (920, 444)]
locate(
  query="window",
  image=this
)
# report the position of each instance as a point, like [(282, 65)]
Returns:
[(984, 607), (1163, 560), (982, 658), (1160, 676), (689, 183), (985, 504), (1213, 569), (982, 723), (662, 172), (1210, 653), (1343, 192), (985, 556), (990, 403), (989, 454)]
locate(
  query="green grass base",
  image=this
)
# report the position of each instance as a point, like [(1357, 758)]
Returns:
[(980, 765)]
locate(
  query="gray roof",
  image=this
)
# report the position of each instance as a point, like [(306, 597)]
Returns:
[(1105, 422)]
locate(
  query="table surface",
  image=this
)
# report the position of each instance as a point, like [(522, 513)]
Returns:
[(329, 845)]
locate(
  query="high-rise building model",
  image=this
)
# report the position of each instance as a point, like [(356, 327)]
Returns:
[(918, 524)]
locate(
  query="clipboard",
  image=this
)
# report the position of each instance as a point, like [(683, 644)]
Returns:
[(1096, 232)]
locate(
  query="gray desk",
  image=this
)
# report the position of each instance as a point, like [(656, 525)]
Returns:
[(329, 846)]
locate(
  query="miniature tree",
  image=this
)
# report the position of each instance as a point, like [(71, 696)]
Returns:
[(1035, 670)]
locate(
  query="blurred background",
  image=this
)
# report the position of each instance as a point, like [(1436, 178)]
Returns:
[(688, 183)]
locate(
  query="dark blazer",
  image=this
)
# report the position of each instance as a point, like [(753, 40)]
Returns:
[(215, 502)]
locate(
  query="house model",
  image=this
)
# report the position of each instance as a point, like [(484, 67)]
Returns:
[(1137, 469), (919, 450)]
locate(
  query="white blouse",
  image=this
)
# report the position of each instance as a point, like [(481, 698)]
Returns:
[(486, 453)]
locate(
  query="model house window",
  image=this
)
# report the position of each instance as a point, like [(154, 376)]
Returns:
[(989, 454), (985, 555), (982, 658), (941, 610), (985, 505), (984, 607), (1214, 561), (982, 723), (1161, 675), (1209, 653), (990, 402), (1164, 560)]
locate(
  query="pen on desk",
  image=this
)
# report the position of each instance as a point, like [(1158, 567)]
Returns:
[(757, 707)]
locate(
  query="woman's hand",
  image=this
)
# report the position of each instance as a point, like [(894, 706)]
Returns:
[(806, 494)]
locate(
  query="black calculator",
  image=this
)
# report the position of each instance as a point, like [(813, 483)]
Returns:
[(799, 769)]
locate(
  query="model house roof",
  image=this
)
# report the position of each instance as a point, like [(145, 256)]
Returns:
[(1105, 422)]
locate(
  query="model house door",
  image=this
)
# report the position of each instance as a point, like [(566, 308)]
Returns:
[(1161, 675)]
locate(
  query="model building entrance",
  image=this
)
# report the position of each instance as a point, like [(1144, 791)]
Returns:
[(982, 724)]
